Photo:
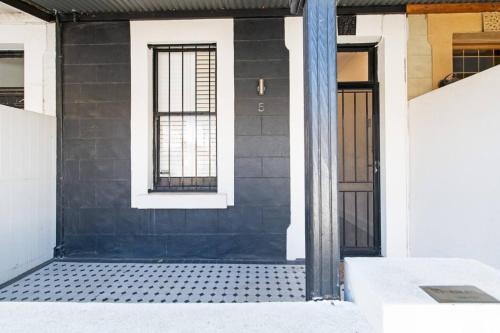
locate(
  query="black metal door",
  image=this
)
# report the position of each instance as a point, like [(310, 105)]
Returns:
[(358, 158)]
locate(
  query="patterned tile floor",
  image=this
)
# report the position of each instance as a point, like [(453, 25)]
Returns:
[(160, 283)]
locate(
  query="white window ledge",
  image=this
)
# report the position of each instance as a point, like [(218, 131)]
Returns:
[(181, 201)]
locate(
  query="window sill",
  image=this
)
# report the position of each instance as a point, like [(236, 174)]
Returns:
[(186, 200)]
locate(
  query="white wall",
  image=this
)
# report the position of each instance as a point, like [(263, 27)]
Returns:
[(20, 31), (27, 190), (391, 31), (295, 239), (454, 164)]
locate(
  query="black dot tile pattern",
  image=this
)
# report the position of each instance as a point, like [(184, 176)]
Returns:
[(159, 283)]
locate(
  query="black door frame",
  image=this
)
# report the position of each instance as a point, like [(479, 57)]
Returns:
[(373, 85)]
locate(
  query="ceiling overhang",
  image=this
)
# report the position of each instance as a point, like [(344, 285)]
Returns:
[(32, 9), (116, 10)]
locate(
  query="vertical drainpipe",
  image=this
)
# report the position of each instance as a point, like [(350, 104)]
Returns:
[(59, 249)]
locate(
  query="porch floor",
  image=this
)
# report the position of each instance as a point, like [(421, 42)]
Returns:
[(159, 283)]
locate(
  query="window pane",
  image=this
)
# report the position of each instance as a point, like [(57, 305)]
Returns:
[(180, 77), (467, 62), (189, 81), (11, 72), (187, 126), (163, 73), (352, 66), (12, 78), (187, 146)]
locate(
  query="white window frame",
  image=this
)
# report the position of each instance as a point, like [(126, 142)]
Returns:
[(142, 33)]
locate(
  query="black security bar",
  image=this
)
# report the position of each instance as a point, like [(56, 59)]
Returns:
[(174, 124)]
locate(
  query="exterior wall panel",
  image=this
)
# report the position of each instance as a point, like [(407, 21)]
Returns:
[(98, 219), (27, 190), (454, 156)]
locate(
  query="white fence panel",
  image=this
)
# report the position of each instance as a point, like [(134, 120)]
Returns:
[(454, 170), (27, 190)]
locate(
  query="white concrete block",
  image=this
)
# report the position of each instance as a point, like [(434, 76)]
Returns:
[(387, 292)]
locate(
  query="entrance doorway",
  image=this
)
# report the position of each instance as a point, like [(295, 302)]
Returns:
[(358, 151)]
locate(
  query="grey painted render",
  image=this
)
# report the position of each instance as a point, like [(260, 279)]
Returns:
[(98, 219)]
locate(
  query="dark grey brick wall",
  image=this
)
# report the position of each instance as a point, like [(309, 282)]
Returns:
[(98, 220)]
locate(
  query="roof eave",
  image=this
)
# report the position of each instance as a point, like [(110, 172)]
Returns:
[(32, 9)]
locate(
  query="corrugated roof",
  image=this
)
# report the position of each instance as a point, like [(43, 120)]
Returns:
[(122, 6), (97, 9), (346, 3)]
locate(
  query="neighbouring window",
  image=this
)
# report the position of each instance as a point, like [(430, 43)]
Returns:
[(12, 78), (475, 52), (185, 118), (467, 62)]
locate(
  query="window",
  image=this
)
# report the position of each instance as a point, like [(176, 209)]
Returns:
[(356, 63), (12, 78), (182, 186), (185, 118), (467, 62), (475, 52)]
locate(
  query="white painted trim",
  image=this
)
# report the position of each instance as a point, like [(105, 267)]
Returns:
[(37, 39), (295, 240), (182, 200), (358, 39), (218, 31), (369, 25), (394, 142)]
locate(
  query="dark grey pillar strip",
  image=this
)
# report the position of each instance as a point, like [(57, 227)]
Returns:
[(323, 250), (59, 248)]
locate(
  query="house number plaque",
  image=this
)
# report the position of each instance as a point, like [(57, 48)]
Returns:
[(260, 108), (458, 294)]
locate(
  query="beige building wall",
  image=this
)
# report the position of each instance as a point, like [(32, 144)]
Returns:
[(430, 45), (419, 57), (491, 21), (440, 29)]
